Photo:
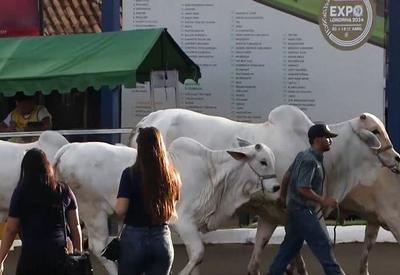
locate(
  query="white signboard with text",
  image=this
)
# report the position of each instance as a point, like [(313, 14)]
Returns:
[(254, 58)]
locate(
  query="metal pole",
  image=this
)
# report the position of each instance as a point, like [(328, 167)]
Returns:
[(41, 24), (110, 97), (393, 79)]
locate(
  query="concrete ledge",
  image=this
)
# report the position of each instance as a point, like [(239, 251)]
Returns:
[(16, 243), (344, 234)]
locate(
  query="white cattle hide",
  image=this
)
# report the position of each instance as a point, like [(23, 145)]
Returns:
[(11, 157), (356, 157), (93, 171), (285, 131), (214, 185), (379, 204)]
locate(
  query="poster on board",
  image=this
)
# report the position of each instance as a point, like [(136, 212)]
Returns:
[(11, 12), (257, 54)]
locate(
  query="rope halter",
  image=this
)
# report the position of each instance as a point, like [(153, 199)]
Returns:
[(261, 178)]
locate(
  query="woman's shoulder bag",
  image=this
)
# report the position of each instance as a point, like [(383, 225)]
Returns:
[(111, 251), (77, 262)]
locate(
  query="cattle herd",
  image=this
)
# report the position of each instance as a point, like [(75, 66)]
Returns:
[(226, 166)]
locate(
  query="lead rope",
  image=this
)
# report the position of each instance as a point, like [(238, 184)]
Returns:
[(337, 221), (336, 224)]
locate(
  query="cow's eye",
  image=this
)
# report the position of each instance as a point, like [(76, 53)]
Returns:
[(264, 163), (375, 132)]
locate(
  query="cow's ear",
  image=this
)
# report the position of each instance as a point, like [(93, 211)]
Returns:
[(242, 142), (370, 139), (237, 155)]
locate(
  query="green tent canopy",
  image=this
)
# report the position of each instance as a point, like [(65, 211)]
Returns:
[(63, 62)]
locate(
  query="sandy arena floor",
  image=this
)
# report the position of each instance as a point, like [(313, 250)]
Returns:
[(232, 259)]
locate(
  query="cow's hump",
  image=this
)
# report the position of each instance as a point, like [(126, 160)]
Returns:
[(52, 137), (289, 117)]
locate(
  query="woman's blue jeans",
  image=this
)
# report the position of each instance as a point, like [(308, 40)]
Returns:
[(303, 225), (146, 250)]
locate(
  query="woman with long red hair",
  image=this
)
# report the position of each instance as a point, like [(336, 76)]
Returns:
[(146, 199)]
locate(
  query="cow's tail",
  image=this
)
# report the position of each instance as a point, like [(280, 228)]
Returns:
[(132, 137), (135, 131)]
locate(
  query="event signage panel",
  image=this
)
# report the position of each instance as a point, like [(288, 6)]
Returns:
[(255, 55)]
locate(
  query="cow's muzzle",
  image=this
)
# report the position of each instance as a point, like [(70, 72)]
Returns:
[(267, 177), (266, 184), (276, 188), (395, 166), (395, 170)]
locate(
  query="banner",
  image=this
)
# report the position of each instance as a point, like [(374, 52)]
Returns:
[(19, 18)]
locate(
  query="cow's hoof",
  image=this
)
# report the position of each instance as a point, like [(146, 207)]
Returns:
[(302, 272)]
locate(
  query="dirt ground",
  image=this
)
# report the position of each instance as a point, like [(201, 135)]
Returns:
[(232, 259)]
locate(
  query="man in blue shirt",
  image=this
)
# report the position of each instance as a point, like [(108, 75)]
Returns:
[(304, 184)]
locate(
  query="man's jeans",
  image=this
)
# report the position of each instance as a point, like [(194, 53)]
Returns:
[(303, 225), (146, 250)]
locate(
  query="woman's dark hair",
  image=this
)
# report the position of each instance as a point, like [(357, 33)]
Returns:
[(160, 180), (37, 180)]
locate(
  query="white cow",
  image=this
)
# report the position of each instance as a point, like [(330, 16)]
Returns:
[(214, 185), (11, 157), (93, 170), (284, 132), (362, 147), (379, 205)]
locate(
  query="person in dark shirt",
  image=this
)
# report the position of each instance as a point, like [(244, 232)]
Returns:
[(303, 183), (146, 200), (37, 210)]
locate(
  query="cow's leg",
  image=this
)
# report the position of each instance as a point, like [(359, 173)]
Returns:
[(97, 229), (190, 236), (371, 233), (297, 264), (393, 222), (263, 234)]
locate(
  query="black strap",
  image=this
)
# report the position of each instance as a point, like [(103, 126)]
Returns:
[(120, 231)]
